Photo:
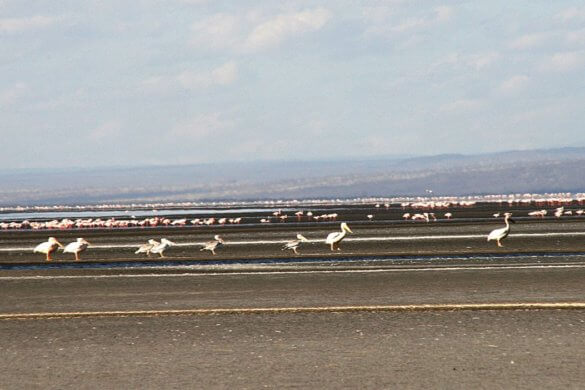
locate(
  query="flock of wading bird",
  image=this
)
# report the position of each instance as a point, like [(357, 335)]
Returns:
[(158, 247)]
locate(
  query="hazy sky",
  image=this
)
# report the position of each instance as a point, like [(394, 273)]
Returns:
[(88, 83)]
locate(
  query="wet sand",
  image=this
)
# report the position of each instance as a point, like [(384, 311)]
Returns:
[(454, 350), (61, 291)]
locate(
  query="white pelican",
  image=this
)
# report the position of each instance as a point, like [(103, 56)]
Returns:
[(161, 247), (501, 233), (48, 247), (76, 247), (213, 245), (147, 248), (335, 238), (294, 244)]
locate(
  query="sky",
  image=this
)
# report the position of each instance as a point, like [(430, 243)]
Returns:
[(153, 82)]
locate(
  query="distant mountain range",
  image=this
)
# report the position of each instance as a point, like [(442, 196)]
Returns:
[(534, 171)]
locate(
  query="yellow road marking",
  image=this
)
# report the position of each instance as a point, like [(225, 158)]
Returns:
[(318, 309)]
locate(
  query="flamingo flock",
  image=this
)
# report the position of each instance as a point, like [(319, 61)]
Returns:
[(113, 223), (424, 209)]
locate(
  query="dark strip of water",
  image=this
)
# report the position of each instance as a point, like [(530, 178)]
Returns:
[(284, 261)]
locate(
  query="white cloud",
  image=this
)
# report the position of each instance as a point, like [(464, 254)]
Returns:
[(411, 24), (482, 60), (12, 94), (548, 39), (564, 61), (378, 20), (317, 127), (514, 84), (156, 83), (378, 13), (196, 2), (462, 105), (542, 114), (570, 14), (200, 127), (270, 33), (106, 131), (17, 25), (222, 75), (225, 74), (78, 99), (253, 30), (443, 13), (217, 31), (194, 79), (576, 37), (530, 41), (477, 61)]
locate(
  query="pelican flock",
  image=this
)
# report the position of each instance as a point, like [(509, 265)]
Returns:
[(48, 247), (501, 233), (295, 244), (335, 238), (76, 247), (213, 245)]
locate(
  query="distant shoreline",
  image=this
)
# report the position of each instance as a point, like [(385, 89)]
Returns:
[(521, 172)]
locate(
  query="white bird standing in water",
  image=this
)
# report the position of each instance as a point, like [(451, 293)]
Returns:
[(162, 246), (501, 233), (48, 247), (147, 248), (335, 238), (213, 245), (76, 247), (294, 244)]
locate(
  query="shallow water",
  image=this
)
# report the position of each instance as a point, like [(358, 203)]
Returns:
[(295, 263)]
